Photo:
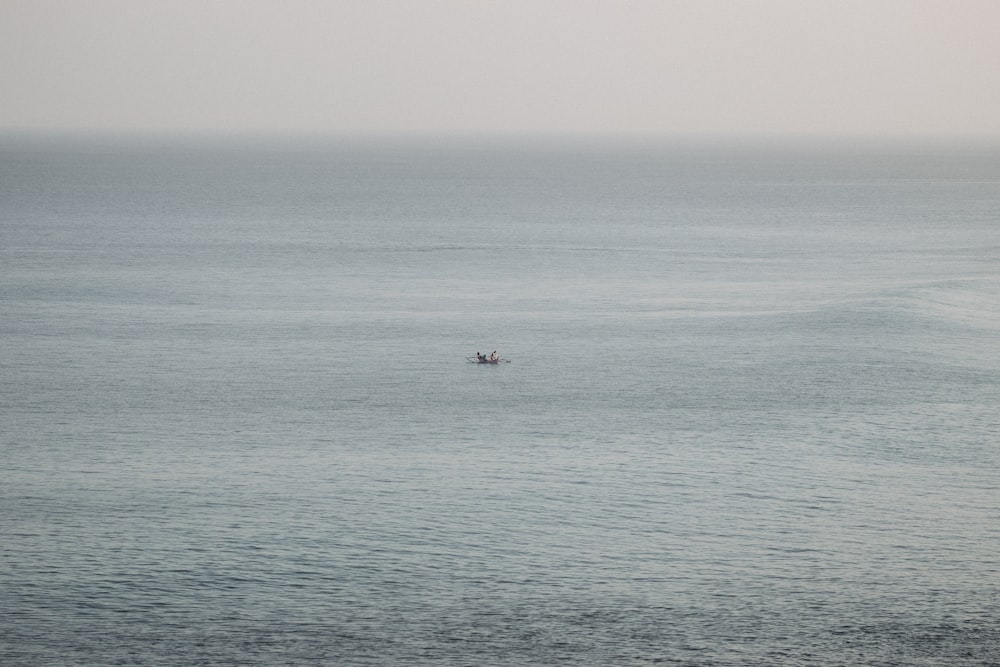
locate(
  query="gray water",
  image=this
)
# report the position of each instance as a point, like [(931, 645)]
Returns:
[(750, 414)]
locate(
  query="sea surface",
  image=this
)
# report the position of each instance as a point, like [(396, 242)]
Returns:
[(751, 414)]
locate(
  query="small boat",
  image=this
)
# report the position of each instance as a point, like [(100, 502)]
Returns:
[(486, 360)]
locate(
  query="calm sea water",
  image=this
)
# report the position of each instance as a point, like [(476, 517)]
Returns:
[(750, 416)]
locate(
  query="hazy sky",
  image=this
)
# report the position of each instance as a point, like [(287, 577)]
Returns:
[(431, 66)]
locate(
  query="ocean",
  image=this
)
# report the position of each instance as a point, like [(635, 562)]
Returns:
[(750, 414)]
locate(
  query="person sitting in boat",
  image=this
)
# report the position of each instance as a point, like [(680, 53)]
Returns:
[(480, 357), (493, 357)]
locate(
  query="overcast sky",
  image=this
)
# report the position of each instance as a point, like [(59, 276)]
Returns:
[(885, 67)]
